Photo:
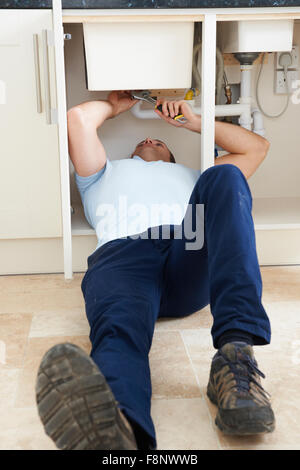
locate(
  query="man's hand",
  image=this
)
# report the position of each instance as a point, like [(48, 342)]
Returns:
[(121, 101), (170, 109), (85, 148)]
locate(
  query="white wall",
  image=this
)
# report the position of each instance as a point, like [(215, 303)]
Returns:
[(279, 174)]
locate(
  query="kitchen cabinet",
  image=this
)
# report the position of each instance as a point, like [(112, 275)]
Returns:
[(83, 235), (37, 178), (30, 186), (276, 213)]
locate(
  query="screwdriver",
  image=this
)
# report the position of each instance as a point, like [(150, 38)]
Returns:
[(178, 117), (145, 95)]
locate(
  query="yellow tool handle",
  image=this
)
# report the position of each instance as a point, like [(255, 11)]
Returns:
[(159, 107)]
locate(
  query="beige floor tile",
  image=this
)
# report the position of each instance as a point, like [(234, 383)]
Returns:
[(8, 387), (51, 310), (41, 300), (171, 370), (37, 347), (200, 319), (21, 429), (280, 283), (183, 424), (33, 282), (14, 330), (283, 314), (58, 322), (200, 350)]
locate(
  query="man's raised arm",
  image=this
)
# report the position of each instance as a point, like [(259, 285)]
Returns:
[(85, 148), (245, 149)]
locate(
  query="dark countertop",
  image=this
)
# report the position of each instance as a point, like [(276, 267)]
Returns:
[(140, 4)]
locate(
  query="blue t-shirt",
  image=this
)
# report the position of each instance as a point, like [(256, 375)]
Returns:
[(128, 196)]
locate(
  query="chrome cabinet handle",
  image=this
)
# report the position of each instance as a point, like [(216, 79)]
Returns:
[(51, 115), (37, 72)]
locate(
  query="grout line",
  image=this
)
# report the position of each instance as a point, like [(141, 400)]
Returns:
[(23, 362), (202, 396), (17, 388), (176, 329), (191, 362), (286, 265), (27, 342)]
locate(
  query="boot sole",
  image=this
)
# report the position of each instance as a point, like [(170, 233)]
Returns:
[(244, 421), (75, 403)]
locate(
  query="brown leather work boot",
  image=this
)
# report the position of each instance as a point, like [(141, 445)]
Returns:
[(234, 386), (76, 405)]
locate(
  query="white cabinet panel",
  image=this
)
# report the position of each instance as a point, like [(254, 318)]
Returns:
[(10, 28), (30, 192), (133, 56)]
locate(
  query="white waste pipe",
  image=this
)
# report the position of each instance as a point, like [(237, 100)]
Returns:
[(220, 110), (258, 122), (255, 116), (245, 119), (245, 91), (231, 109), (143, 113), (242, 110)]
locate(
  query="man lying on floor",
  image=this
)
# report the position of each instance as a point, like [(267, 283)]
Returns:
[(150, 264)]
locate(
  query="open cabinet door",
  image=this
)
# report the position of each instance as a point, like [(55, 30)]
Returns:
[(209, 39), (58, 38), (34, 182), (30, 193), (208, 111)]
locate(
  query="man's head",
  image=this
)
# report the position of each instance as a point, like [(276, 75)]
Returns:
[(152, 150)]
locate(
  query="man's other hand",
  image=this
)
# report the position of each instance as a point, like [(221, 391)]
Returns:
[(121, 101), (170, 109)]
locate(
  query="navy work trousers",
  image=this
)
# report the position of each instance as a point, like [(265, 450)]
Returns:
[(131, 282)]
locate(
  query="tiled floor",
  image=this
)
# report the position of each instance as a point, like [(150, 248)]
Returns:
[(38, 311)]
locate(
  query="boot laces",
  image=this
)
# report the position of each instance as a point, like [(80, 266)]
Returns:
[(243, 364)]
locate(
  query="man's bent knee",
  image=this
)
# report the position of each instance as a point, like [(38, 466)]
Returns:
[(224, 169)]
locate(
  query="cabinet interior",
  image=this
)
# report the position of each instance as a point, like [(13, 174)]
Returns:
[(275, 186)]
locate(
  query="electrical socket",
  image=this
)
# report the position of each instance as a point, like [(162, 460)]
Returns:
[(281, 88), (295, 58)]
